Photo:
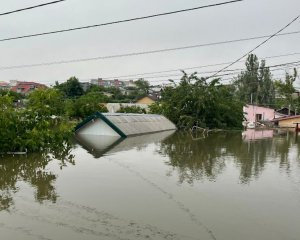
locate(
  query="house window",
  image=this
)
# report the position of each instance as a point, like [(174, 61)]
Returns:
[(258, 117)]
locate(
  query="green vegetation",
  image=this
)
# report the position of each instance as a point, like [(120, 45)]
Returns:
[(86, 105), (33, 128), (131, 109), (71, 88), (286, 90), (195, 102), (255, 84), (31, 123)]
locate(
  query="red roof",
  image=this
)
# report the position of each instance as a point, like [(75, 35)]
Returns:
[(26, 87)]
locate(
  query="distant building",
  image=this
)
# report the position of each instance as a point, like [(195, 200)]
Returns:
[(13, 83), (112, 83), (27, 87), (85, 85), (4, 86)]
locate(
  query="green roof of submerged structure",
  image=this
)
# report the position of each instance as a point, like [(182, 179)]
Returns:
[(128, 124)]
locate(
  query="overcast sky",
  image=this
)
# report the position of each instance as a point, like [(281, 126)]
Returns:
[(239, 20)]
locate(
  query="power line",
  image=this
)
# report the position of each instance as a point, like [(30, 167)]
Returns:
[(230, 71), (259, 45), (197, 67), (141, 53), (32, 7), (119, 21)]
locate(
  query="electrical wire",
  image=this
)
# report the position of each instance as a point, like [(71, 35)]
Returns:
[(32, 7), (196, 67), (118, 21), (258, 46), (231, 71), (139, 53)]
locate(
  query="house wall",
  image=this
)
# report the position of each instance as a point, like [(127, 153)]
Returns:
[(98, 127), (250, 111), (145, 100), (289, 123)]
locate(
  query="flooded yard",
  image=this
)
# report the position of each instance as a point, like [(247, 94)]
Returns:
[(225, 186)]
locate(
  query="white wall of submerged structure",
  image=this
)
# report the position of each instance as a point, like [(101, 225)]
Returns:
[(97, 126)]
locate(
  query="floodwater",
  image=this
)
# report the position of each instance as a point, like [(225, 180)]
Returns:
[(225, 186)]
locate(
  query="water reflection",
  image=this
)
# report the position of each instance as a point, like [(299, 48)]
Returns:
[(101, 145), (257, 134), (31, 169), (205, 158)]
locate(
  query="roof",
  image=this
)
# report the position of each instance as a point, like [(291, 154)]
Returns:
[(286, 118), (154, 97), (128, 124), (4, 84), (27, 86), (253, 105)]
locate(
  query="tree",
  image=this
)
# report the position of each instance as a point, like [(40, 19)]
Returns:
[(255, 84), (286, 89), (195, 102), (86, 105), (266, 86), (143, 86), (71, 88), (15, 96), (46, 102), (30, 129), (131, 109)]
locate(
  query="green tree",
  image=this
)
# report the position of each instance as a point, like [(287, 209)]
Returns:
[(286, 89), (71, 88), (46, 102), (195, 102), (86, 105), (16, 96), (131, 109), (143, 86), (255, 84), (32, 129)]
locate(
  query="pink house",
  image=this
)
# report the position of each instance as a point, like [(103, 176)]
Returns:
[(254, 113)]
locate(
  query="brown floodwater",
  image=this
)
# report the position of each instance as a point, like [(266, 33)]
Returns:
[(225, 186)]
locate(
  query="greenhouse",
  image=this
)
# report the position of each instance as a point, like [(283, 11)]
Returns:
[(123, 124)]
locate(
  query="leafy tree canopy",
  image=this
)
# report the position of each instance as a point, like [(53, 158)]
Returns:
[(71, 88), (195, 102), (255, 84)]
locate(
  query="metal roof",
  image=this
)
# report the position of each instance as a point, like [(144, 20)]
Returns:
[(128, 124)]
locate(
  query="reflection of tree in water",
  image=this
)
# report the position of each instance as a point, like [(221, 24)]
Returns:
[(31, 169), (194, 159), (205, 158)]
